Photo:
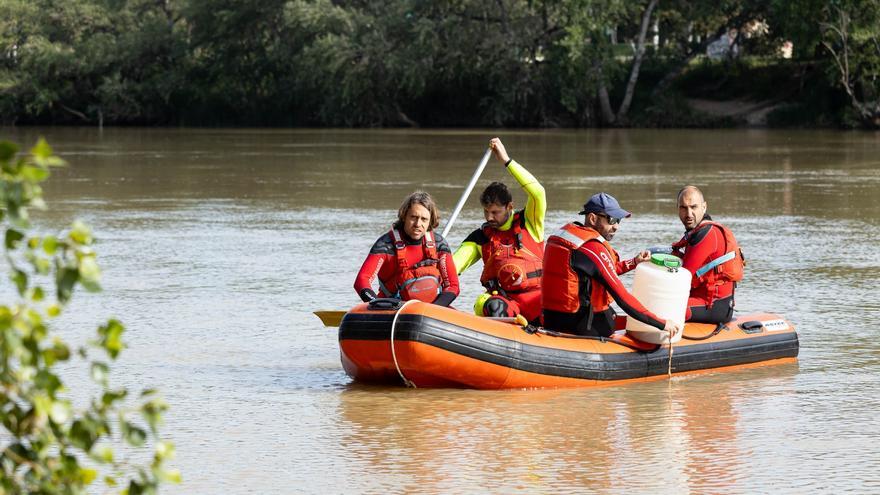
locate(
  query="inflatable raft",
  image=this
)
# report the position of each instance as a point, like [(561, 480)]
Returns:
[(425, 345)]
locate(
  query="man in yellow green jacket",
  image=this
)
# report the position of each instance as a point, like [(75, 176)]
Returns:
[(510, 243)]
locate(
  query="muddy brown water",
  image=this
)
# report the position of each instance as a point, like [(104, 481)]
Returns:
[(217, 245)]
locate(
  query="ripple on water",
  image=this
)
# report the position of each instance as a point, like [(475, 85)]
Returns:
[(217, 246)]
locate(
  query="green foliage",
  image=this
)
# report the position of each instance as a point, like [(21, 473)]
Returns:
[(85, 61), (49, 445), (393, 63), (672, 110), (851, 36)]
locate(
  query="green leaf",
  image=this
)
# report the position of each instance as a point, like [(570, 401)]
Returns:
[(111, 337), (41, 149), (152, 412), (20, 279), (109, 397), (89, 273), (48, 381), (66, 280), (134, 435), (37, 201), (134, 488), (100, 372), (62, 352), (12, 238), (42, 266), (34, 174), (84, 433), (102, 453), (7, 151), (48, 438), (50, 244), (53, 310), (60, 412), (80, 233), (87, 475), (164, 450), (58, 352), (170, 475), (5, 317), (42, 406), (37, 294)]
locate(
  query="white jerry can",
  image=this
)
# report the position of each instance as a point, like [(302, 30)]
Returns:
[(663, 286)]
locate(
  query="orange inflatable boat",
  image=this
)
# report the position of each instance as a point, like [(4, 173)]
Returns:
[(424, 345)]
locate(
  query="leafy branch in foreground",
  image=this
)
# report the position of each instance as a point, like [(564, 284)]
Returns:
[(49, 445)]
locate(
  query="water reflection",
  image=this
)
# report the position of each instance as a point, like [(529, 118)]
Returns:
[(687, 434)]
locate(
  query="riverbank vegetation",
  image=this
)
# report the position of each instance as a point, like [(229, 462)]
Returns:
[(538, 63), (51, 444)]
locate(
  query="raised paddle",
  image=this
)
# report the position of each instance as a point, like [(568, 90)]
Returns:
[(334, 318), (467, 192)]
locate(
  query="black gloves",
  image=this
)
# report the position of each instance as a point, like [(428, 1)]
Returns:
[(367, 295)]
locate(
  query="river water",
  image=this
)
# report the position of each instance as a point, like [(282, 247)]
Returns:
[(217, 245)]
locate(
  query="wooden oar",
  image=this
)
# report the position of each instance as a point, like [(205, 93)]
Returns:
[(334, 318)]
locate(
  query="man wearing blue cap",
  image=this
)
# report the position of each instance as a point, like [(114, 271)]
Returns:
[(581, 275)]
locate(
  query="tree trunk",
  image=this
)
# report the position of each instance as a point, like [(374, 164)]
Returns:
[(74, 112), (637, 63), (869, 111), (604, 100), (403, 117)]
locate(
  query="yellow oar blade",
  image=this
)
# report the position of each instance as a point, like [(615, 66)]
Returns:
[(330, 318)]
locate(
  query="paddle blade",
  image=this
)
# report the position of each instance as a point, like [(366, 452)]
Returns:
[(330, 318)]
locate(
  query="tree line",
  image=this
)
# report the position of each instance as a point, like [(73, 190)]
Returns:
[(541, 63)]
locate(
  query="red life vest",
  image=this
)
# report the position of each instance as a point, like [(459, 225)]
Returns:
[(419, 281), (512, 260), (561, 284), (725, 268)]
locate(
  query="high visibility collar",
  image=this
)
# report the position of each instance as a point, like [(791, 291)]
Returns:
[(507, 223)]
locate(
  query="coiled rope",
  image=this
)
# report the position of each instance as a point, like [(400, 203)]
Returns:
[(406, 381)]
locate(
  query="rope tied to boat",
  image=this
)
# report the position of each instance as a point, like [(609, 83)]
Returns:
[(406, 381), (669, 337)]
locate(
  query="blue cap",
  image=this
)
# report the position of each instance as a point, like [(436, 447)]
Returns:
[(605, 203)]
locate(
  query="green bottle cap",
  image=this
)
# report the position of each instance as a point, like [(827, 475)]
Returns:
[(666, 260)]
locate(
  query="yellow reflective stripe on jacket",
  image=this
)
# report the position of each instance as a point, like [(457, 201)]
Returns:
[(536, 200), (466, 255)]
